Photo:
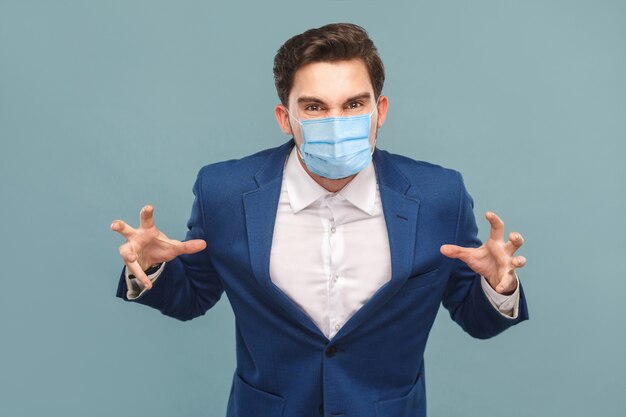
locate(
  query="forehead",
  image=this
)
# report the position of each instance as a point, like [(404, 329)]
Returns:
[(331, 81)]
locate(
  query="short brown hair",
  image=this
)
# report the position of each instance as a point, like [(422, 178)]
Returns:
[(333, 42)]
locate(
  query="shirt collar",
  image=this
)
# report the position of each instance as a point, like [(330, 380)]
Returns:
[(361, 191), (303, 190)]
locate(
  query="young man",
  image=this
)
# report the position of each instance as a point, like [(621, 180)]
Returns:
[(335, 255)]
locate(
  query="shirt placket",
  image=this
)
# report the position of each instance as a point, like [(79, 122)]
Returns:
[(333, 241)]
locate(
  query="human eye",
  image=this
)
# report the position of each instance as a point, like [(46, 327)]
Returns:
[(313, 108), (355, 105)]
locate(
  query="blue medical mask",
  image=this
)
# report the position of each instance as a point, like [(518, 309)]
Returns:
[(336, 147)]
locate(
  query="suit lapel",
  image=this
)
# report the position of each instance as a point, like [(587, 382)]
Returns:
[(400, 211), (260, 207)]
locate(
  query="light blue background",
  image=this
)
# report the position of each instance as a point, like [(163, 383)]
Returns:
[(106, 106)]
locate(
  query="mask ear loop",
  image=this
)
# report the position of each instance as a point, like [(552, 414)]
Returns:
[(299, 153), (375, 138), (298, 121), (373, 147)]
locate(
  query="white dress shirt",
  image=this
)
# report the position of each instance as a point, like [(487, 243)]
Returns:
[(330, 251)]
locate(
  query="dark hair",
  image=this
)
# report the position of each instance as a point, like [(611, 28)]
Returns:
[(333, 42)]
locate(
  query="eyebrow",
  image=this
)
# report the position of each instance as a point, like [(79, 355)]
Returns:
[(312, 99)]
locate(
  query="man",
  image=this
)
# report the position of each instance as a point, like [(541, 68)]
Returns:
[(334, 255)]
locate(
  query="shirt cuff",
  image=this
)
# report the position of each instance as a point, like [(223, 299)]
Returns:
[(135, 287), (507, 305)]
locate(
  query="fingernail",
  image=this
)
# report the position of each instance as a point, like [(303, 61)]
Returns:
[(112, 225)]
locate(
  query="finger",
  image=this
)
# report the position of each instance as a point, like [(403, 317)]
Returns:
[(497, 226), (515, 241), (518, 262), (122, 228), (127, 253), (136, 270), (146, 217), (508, 285), (454, 251), (191, 246)]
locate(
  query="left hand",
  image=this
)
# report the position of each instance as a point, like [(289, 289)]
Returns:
[(494, 259)]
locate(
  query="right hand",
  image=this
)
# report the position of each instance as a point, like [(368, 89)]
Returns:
[(147, 245)]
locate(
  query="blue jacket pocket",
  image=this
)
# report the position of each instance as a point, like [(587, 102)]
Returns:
[(412, 404), (247, 401)]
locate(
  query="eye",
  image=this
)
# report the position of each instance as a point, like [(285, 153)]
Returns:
[(313, 107), (355, 105)]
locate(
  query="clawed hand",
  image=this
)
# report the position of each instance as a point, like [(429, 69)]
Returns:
[(147, 245), (494, 259)]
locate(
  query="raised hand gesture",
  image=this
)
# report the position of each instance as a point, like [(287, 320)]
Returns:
[(494, 259), (147, 245)]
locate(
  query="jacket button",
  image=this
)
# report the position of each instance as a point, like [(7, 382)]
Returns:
[(321, 409), (331, 351)]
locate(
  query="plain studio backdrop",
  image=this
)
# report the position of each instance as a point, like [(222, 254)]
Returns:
[(106, 106)]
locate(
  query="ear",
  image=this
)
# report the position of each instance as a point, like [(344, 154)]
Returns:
[(383, 104), (282, 117)]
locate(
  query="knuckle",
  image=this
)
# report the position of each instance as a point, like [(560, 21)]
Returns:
[(125, 250)]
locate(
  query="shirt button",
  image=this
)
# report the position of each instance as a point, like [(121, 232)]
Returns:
[(337, 326), (333, 229), (336, 277)]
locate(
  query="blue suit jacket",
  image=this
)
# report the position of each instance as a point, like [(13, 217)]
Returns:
[(286, 367)]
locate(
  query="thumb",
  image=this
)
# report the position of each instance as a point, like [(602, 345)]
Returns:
[(192, 246), (452, 251)]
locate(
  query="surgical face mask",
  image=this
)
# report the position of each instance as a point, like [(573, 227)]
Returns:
[(336, 147)]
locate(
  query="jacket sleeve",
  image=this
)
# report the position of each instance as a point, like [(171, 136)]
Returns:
[(189, 284), (464, 297)]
